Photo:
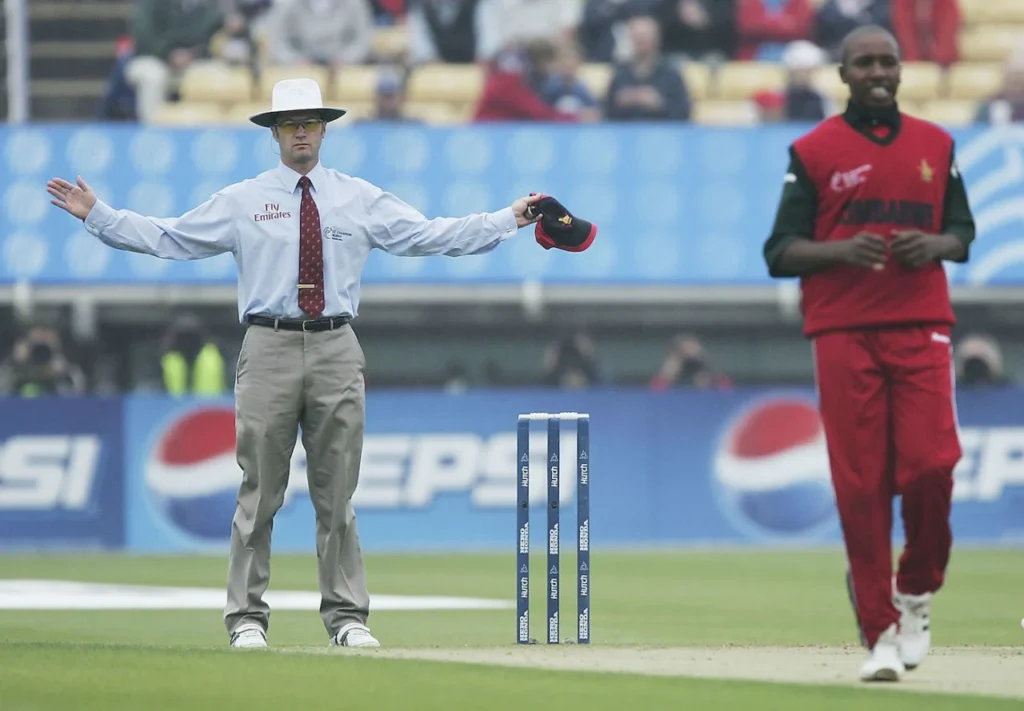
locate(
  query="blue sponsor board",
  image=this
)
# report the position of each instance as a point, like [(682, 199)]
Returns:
[(674, 204), (440, 471), (61, 473)]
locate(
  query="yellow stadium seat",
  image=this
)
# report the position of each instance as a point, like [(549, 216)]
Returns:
[(741, 80), (697, 77), (979, 12), (912, 108), (437, 113), (826, 80), (596, 77), (238, 114), (990, 43), (710, 112), (271, 75), (355, 83), (390, 43), (446, 82), (357, 110), (949, 113), (968, 80), (920, 81), (215, 82), (189, 114)]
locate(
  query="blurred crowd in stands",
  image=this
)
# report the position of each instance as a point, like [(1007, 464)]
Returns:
[(531, 51)]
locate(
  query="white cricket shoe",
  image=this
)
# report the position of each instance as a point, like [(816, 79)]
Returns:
[(249, 636), (354, 635), (915, 626), (884, 663)]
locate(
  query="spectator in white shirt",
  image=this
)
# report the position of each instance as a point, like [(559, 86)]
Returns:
[(326, 32)]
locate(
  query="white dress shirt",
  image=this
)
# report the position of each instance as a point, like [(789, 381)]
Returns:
[(257, 220)]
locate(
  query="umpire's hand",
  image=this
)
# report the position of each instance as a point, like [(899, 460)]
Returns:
[(865, 250), (521, 209), (76, 199)]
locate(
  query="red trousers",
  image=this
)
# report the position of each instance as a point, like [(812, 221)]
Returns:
[(887, 406)]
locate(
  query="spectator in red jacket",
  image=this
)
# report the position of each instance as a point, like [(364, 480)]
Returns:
[(509, 93), (927, 30), (765, 26)]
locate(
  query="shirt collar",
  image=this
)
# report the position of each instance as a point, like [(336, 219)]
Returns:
[(290, 179), (859, 116)]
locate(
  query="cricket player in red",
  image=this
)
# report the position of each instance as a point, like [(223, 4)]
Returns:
[(871, 205)]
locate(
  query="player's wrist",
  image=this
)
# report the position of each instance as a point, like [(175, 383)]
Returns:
[(949, 246), (838, 253)]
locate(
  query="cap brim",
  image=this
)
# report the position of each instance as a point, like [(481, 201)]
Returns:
[(268, 118)]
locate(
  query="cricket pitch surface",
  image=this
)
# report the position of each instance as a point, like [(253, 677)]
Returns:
[(985, 671)]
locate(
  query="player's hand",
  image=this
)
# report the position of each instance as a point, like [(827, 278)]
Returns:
[(914, 248), (519, 210), (865, 250), (76, 199)]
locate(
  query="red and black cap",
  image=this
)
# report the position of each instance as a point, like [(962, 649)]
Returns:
[(559, 228)]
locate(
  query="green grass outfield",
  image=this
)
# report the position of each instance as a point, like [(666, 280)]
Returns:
[(665, 613)]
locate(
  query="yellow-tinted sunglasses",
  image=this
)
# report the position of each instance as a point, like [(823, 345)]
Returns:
[(309, 125)]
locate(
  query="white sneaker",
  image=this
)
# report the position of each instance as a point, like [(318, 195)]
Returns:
[(884, 663), (354, 635), (915, 627), (250, 635)]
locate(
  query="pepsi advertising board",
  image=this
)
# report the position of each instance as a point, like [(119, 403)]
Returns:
[(61, 473), (439, 471)]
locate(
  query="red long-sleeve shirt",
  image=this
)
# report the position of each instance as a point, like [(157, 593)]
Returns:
[(507, 97), (927, 30), (757, 25)]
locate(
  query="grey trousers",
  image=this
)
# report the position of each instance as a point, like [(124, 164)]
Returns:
[(288, 379)]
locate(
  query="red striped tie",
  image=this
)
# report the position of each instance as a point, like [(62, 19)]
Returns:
[(311, 255)]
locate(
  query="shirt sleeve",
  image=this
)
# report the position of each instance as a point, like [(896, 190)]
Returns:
[(795, 216), (204, 231), (957, 218), (400, 229)]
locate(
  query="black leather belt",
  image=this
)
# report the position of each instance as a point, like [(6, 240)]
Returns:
[(327, 323)]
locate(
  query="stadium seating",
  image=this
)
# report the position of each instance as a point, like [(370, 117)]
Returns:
[(827, 81), (974, 81), (446, 94), (455, 83), (238, 114), (713, 112), (596, 77), (271, 75), (698, 80), (215, 82), (977, 12), (989, 43), (739, 81), (920, 81), (949, 112), (354, 84), (190, 114), (440, 113)]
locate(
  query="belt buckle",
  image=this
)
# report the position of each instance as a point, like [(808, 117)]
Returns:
[(304, 329)]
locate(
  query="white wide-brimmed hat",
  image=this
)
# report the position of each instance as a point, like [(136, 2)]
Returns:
[(296, 95)]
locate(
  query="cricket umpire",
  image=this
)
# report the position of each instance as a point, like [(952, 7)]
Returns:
[(871, 205), (300, 234)]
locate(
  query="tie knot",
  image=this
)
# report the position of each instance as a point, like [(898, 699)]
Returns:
[(304, 182)]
